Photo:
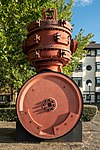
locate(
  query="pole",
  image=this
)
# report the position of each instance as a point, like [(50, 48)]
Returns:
[(89, 96)]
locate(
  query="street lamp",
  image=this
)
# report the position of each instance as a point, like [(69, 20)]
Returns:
[(89, 85)]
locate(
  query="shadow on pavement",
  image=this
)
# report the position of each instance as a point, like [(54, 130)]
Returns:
[(7, 135)]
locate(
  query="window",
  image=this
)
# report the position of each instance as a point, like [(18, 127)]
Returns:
[(97, 66), (88, 67), (97, 96), (78, 80), (80, 67), (91, 52), (4, 98), (97, 52), (88, 97), (88, 81), (97, 81)]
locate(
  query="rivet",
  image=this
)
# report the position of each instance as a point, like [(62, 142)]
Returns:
[(65, 123), (44, 104), (46, 101), (53, 101), (22, 113), (48, 109), (45, 108)]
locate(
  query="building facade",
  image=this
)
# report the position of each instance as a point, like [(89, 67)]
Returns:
[(88, 74)]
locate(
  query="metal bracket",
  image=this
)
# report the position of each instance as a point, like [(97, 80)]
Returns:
[(57, 36), (36, 38), (52, 14), (37, 54), (61, 39)]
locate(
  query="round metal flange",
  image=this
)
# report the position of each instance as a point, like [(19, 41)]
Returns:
[(49, 105)]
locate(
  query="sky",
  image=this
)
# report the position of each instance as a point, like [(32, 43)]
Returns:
[(87, 17)]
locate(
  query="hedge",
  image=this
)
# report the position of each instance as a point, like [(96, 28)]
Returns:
[(9, 114), (6, 105), (89, 111)]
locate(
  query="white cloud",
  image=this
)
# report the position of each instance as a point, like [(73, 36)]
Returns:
[(83, 2)]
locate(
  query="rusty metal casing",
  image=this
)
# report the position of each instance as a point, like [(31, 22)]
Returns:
[(49, 44)]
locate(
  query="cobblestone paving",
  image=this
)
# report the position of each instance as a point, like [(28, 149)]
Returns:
[(91, 139)]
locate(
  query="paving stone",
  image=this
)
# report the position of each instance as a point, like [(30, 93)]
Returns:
[(90, 141)]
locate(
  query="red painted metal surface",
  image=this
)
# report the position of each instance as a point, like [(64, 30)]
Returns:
[(49, 105), (49, 44)]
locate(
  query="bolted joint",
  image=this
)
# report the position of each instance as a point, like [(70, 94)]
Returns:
[(49, 104), (57, 36), (37, 54), (36, 38)]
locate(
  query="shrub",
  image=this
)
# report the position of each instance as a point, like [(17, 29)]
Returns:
[(11, 104), (3, 104), (6, 104), (8, 114), (89, 111)]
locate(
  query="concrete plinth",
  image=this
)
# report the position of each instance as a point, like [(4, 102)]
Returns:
[(74, 136)]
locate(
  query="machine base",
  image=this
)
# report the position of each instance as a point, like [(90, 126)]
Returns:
[(24, 136)]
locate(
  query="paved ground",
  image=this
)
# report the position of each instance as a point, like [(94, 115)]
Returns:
[(91, 138)]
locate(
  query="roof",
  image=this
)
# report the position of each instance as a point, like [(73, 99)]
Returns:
[(93, 45)]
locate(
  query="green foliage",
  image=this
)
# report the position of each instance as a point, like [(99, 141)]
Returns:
[(89, 111), (15, 16), (8, 114), (3, 104), (63, 10), (6, 104), (83, 41)]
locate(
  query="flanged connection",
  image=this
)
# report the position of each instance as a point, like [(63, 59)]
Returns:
[(49, 104)]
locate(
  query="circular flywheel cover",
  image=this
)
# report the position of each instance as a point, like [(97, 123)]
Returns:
[(49, 105)]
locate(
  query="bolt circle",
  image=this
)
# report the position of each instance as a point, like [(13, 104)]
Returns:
[(49, 104)]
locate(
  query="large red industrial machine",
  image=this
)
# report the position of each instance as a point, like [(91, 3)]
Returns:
[(49, 104)]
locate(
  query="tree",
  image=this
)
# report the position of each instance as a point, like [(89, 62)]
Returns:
[(83, 41), (15, 16)]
